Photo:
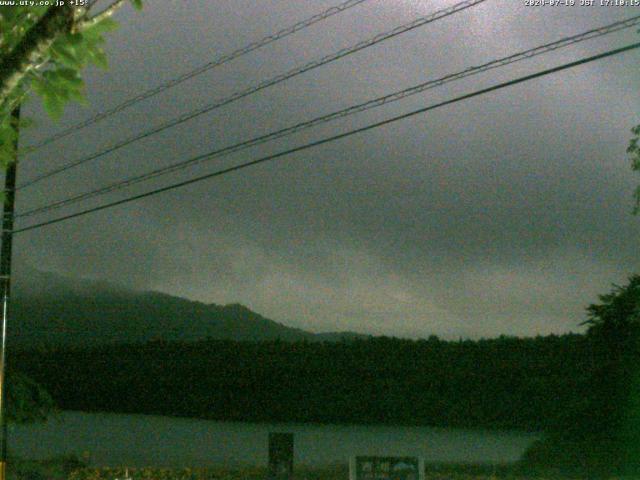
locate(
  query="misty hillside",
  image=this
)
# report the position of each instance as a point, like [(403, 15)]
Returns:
[(48, 309)]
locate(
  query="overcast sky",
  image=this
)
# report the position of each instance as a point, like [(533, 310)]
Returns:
[(505, 214)]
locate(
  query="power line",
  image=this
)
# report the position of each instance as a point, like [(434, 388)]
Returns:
[(285, 32), (332, 138), (263, 85), (393, 97)]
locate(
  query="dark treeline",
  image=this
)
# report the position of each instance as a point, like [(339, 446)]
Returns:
[(519, 383)]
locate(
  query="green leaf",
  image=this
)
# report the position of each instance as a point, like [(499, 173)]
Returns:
[(98, 28), (7, 135), (99, 59), (54, 105), (66, 55), (75, 39), (78, 96), (39, 86), (54, 85), (7, 155), (5, 159), (69, 78), (137, 4)]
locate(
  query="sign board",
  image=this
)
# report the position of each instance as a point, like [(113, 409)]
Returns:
[(280, 456), (386, 468)]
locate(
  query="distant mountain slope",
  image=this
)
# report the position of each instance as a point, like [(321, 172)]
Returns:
[(49, 309)]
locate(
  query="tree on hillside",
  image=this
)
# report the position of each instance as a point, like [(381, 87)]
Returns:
[(614, 328), (601, 432), (28, 401), (616, 320)]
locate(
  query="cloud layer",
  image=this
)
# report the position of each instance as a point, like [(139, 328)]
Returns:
[(507, 213)]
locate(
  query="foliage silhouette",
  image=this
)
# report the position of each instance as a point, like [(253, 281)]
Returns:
[(601, 434)]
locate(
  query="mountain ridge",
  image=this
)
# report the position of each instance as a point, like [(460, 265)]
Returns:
[(54, 310)]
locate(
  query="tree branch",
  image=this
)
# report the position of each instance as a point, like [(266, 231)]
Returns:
[(35, 43), (29, 15), (97, 18)]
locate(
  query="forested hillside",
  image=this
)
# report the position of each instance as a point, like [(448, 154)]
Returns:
[(500, 383)]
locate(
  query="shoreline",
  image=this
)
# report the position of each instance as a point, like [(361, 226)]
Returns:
[(71, 468), (467, 429)]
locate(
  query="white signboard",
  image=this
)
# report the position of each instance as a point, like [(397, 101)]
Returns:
[(386, 468)]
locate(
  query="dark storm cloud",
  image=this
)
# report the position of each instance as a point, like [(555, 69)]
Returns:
[(507, 213)]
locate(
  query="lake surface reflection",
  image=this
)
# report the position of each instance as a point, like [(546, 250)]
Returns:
[(146, 440)]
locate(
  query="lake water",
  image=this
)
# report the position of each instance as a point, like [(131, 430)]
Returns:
[(145, 440)]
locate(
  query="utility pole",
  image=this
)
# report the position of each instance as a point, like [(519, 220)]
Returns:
[(5, 283)]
